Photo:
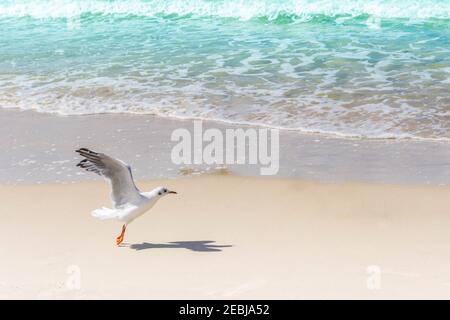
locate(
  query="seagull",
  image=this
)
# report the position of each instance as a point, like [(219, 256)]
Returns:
[(128, 202)]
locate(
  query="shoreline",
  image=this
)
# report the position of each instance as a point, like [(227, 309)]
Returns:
[(41, 150), (229, 237), (229, 123)]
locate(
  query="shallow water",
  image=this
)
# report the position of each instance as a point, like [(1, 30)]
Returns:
[(376, 69)]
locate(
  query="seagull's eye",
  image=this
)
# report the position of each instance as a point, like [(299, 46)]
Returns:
[(159, 193), (165, 190)]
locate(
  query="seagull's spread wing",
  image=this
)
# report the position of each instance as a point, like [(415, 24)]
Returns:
[(119, 173)]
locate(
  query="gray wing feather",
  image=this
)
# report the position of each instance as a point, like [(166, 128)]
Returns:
[(117, 172)]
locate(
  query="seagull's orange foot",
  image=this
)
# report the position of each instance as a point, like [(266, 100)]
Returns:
[(119, 239)]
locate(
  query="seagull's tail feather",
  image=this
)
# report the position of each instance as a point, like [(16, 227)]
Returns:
[(105, 213)]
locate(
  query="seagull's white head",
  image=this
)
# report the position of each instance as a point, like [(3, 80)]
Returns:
[(163, 191)]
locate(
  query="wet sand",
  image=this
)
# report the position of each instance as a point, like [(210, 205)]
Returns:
[(41, 149)]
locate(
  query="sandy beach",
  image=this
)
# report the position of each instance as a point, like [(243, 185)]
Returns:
[(229, 237), (342, 219)]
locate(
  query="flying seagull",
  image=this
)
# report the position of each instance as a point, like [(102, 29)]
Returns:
[(128, 202)]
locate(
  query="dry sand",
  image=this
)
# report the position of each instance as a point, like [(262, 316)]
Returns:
[(229, 237)]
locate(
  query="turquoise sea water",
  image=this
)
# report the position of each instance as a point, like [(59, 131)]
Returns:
[(374, 68)]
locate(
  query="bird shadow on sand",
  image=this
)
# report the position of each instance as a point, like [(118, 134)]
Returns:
[(198, 246)]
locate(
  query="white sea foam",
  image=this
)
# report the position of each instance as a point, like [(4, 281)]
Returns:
[(244, 10)]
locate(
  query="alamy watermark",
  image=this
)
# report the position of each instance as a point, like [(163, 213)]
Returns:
[(73, 281), (373, 281), (230, 146)]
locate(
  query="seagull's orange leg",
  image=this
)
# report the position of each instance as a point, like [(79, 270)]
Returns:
[(119, 239)]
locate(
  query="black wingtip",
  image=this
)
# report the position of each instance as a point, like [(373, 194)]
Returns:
[(86, 151), (81, 163), (82, 150)]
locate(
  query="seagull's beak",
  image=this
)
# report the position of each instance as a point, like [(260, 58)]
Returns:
[(173, 192)]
